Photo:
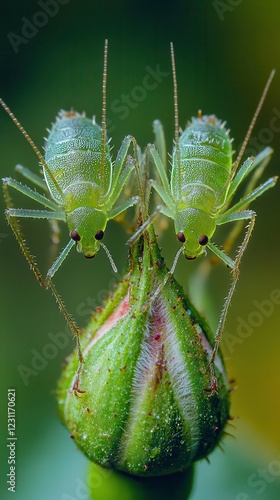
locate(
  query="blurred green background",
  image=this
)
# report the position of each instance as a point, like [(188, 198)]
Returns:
[(224, 51)]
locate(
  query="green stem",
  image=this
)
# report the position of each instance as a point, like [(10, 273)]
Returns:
[(113, 485)]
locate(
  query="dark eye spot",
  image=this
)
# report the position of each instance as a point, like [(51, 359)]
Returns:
[(75, 235), (99, 235), (203, 240), (181, 237)]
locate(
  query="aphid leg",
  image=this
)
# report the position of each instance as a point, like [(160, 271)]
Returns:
[(258, 164), (13, 223), (143, 209), (168, 212), (76, 332), (121, 208), (30, 176), (151, 219), (12, 214), (234, 214), (47, 284), (244, 202), (160, 168), (120, 173), (120, 176), (247, 214), (160, 141), (9, 182), (40, 182), (166, 198), (34, 214), (163, 190), (20, 212), (57, 263)]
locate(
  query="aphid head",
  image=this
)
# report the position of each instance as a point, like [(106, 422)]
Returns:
[(87, 227), (88, 247), (194, 229)]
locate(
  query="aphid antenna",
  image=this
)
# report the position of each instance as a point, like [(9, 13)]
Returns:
[(252, 124), (176, 114), (114, 267), (31, 142), (103, 122)]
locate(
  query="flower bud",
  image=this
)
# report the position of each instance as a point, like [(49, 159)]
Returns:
[(148, 408)]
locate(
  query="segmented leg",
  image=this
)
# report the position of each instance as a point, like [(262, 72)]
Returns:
[(30, 176), (258, 165), (235, 273), (11, 215), (160, 141), (151, 219)]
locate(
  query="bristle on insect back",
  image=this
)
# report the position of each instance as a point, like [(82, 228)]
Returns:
[(207, 119)]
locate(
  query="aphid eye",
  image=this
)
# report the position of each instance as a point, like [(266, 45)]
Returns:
[(181, 237), (99, 235), (203, 240), (75, 235)]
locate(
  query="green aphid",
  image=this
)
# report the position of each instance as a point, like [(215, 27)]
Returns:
[(82, 184), (202, 184)]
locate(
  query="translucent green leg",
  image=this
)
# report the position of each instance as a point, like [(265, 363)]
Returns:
[(11, 214), (160, 168), (121, 208), (57, 215), (166, 198), (118, 187), (160, 141), (118, 180), (7, 181), (250, 195), (247, 214), (120, 176), (258, 163), (221, 219), (60, 259), (35, 214), (151, 219), (30, 176), (235, 214)]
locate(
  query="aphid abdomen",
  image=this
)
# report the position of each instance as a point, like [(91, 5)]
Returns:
[(205, 163), (73, 154)]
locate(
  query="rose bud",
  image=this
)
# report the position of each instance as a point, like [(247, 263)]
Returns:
[(145, 403)]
